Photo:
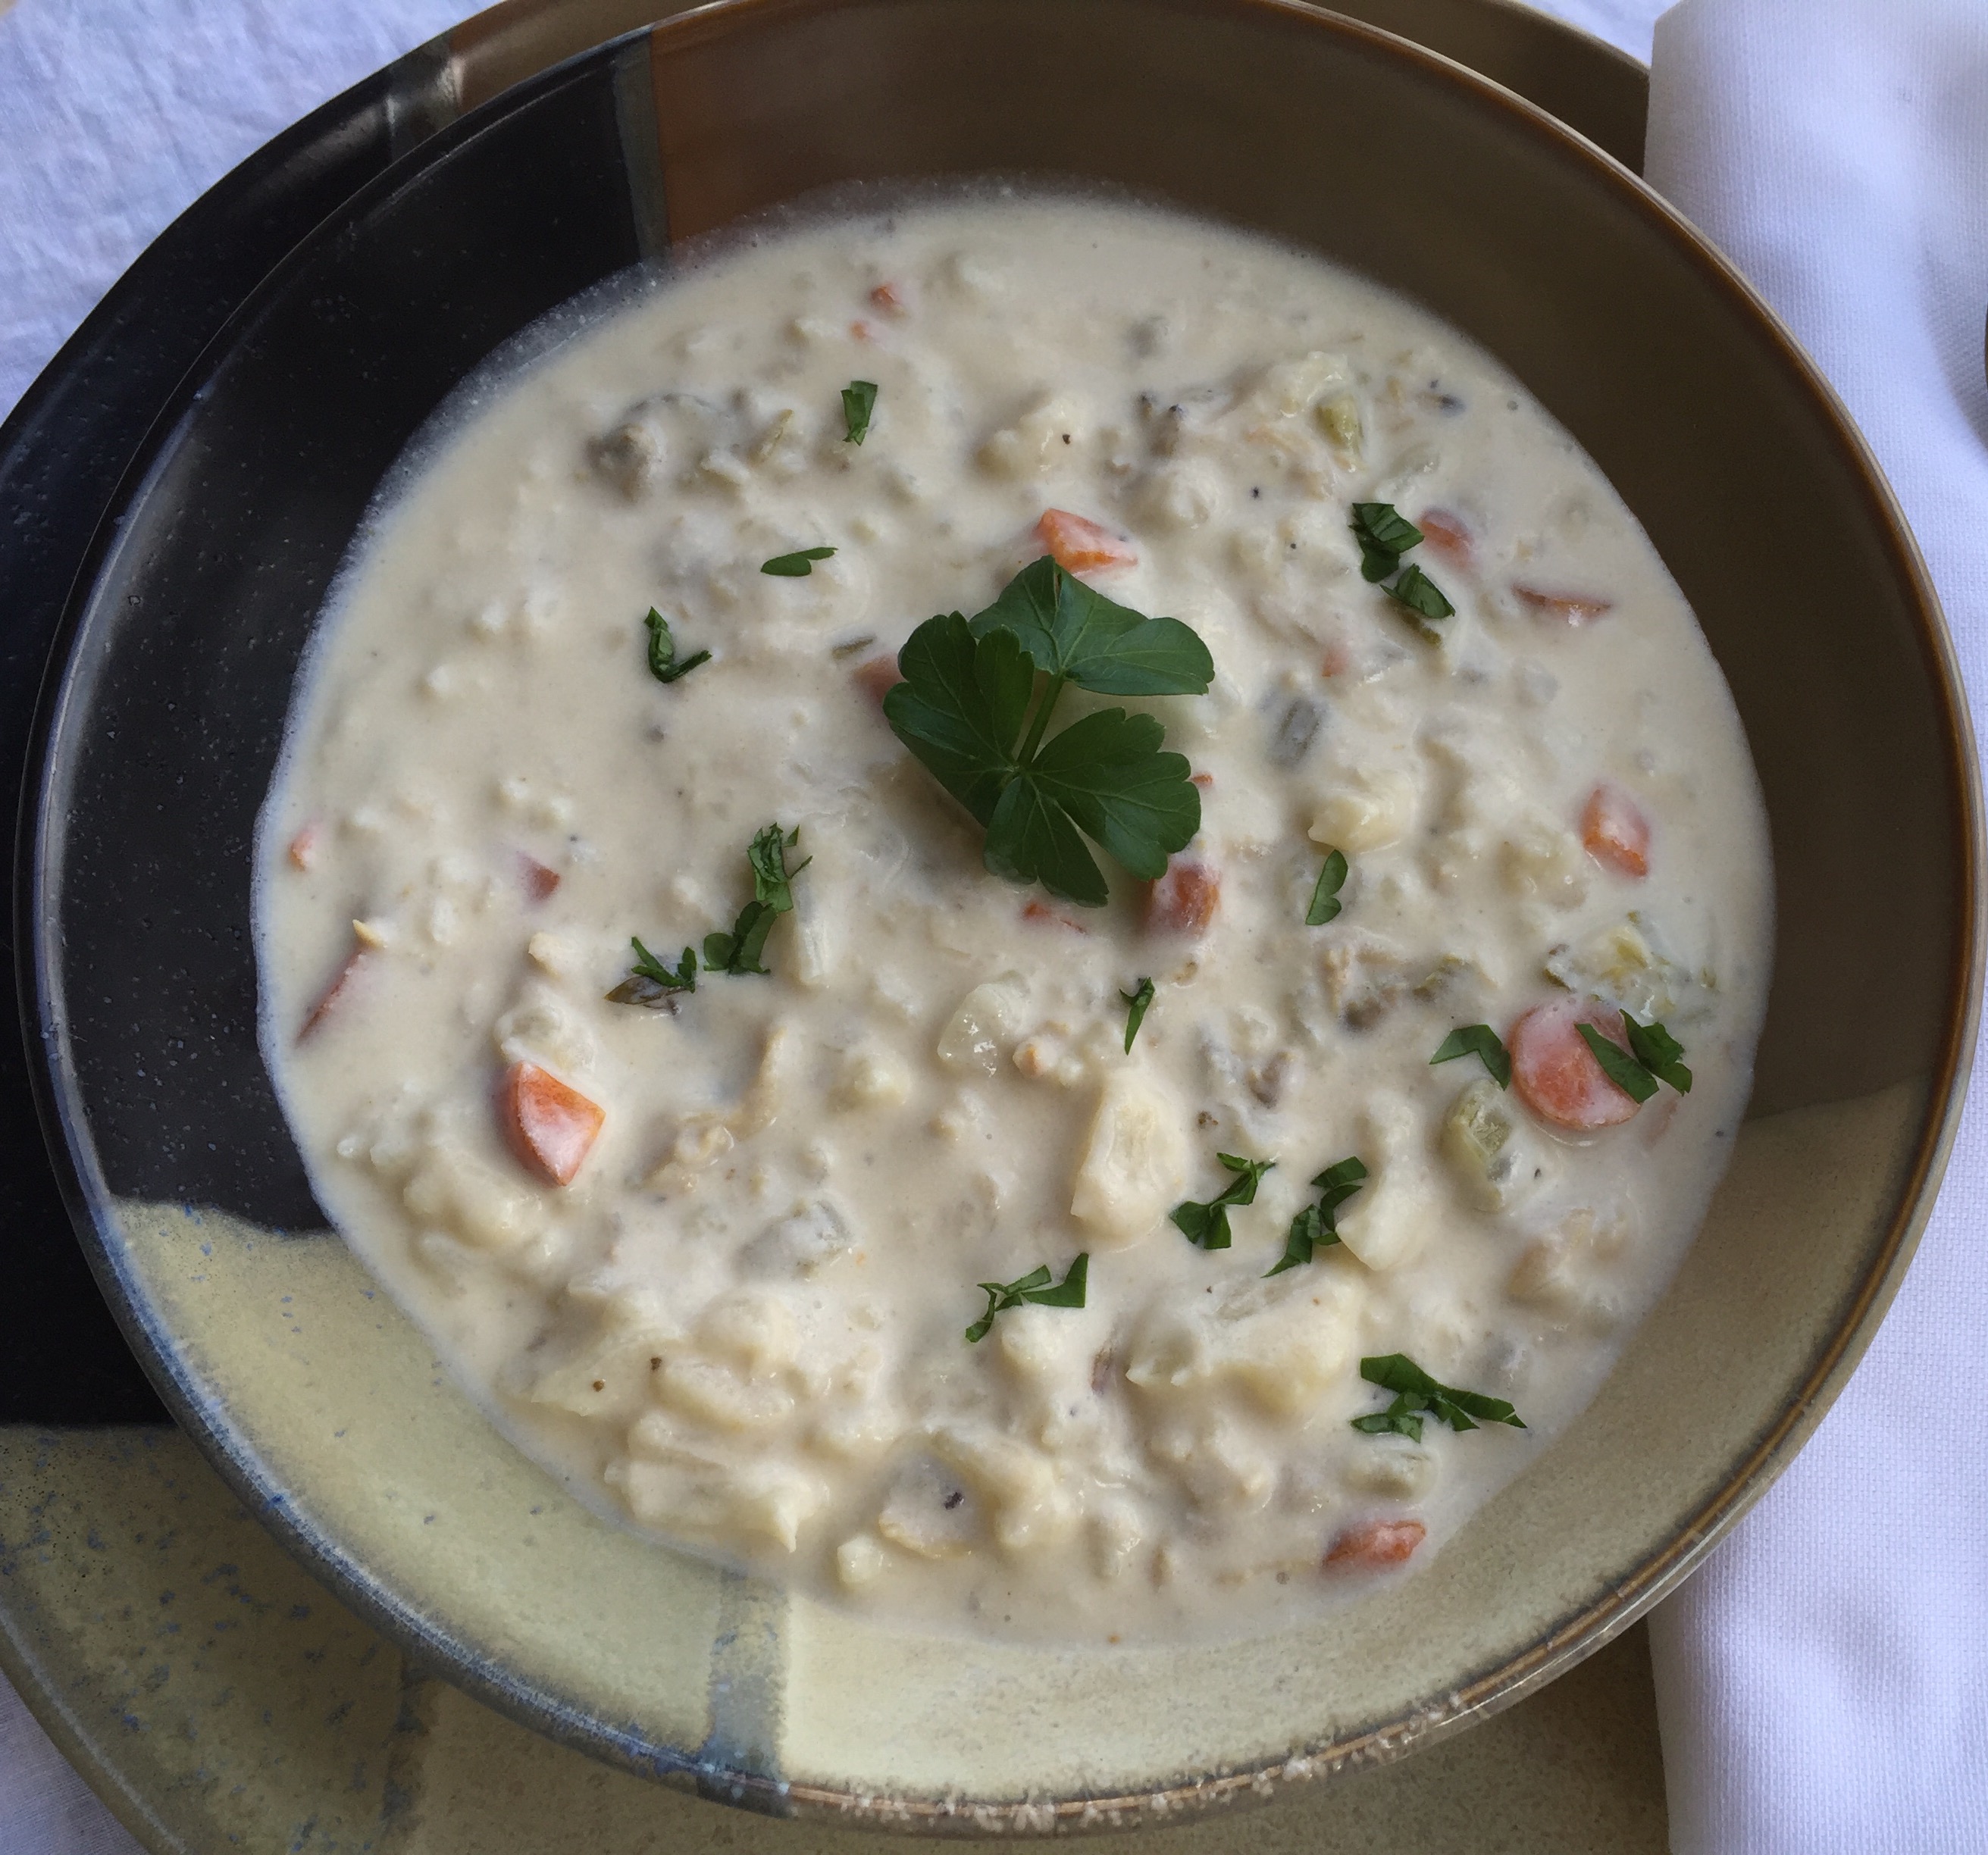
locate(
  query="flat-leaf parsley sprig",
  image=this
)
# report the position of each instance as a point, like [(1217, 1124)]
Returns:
[(1415, 1392), (971, 709), (1033, 1287)]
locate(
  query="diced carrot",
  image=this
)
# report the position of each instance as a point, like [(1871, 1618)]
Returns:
[(1205, 781), (1557, 1075), (876, 677), (1183, 901), (303, 846), (1615, 831), (1446, 534), (540, 878), (888, 297), (549, 1126), (1080, 545), (1372, 1545), (1572, 609), (1039, 911), (330, 996)]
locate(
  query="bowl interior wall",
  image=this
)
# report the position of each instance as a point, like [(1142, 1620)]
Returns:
[(181, 674)]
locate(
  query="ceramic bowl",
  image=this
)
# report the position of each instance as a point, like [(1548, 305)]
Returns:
[(323, 1404)]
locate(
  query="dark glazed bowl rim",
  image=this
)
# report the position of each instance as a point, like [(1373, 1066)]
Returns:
[(38, 875)]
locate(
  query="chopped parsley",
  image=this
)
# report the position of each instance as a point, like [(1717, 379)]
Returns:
[(665, 665), (859, 400), (1032, 1287), (1654, 1058), (1479, 1040), (1657, 1051), (1416, 1393), (1420, 595), (1325, 903), (1316, 1226), (772, 896), (1384, 536), (1137, 1003), (970, 710), (795, 567), (1207, 1224), (654, 984)]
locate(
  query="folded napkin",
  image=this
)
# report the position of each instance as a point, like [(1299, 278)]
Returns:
[(1822, 1681)]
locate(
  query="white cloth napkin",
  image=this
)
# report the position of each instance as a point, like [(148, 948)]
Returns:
[(1822, 1682)]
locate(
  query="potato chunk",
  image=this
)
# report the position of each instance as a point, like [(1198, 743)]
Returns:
[(1133, 1171)]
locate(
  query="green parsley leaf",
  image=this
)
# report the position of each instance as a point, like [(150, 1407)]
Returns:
[(1620, 1067), (1657, 1051), (1316, 1226), (654, 984), (1075, 634), (1415, 1392), (1478, 1040), (1325, 903), (663, 664), (772, 896), (1420, 595), (1032, 1287), (859, 400), (795, 567), (739, 951), (767, 854), (961, 710), (1207, 1224), (1136, 1006), (1384, 536)]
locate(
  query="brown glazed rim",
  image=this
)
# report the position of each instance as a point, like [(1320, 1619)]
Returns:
[(1587, 1630)]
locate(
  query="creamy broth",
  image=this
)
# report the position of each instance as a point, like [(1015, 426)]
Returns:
[(742, 1324)]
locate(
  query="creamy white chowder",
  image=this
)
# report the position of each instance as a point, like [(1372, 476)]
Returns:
[(741, 1321)]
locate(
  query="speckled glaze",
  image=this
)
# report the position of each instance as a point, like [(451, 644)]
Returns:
[(324, 1410), (217, 1697)]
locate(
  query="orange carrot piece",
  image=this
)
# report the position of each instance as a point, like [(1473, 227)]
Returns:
[(1557, 1075), (1372, 1545), (540, 878), (888, 297), (1205, 781), (1615, 831), (549, 1126), (1080, 545), (1183, 901), (1446, 534), (1572, 609), (1041, 911), (331, 993), (303, 846), (876, 677)]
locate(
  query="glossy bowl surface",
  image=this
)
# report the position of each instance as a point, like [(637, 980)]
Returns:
[(322, 1403)]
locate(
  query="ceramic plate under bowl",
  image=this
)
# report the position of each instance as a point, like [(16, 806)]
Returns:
[(323, 1403)]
